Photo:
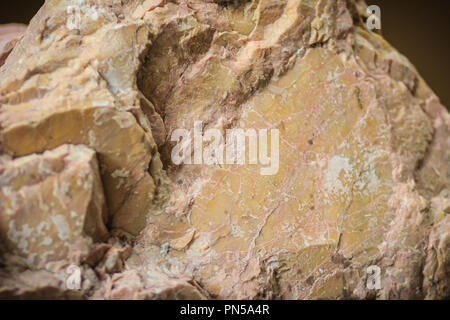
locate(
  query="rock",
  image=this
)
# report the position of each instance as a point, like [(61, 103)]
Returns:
[(114, 259), (63, 186), (36, 285), (129, 286), (363, 178), (9, 35)]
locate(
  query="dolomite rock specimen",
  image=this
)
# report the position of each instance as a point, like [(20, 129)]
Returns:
[(64, 187), (9, 35), (364, 155)]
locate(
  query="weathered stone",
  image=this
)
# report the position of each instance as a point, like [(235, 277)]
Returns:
[(41, 285), (364, 172), (86, 96), (50, 204), (129, 286), (9, 35)]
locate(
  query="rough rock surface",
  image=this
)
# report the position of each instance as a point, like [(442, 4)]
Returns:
[(64, 187), (364, 175), (9, 35)]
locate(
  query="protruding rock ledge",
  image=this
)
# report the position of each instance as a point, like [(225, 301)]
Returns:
[(364, 170), (52, 205)]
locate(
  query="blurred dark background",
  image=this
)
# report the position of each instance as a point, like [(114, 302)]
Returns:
[(420, 29)]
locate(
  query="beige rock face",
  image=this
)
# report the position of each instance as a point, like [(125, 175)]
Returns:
[(364, 175), (9, 35), (50, 202)]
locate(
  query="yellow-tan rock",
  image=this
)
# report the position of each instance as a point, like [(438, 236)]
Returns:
[(364, 172), (51, 203), (9, 35)]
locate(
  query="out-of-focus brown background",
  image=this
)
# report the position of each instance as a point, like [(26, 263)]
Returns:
[(420, 29)]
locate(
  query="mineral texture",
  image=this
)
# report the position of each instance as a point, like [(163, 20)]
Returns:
[(90, 98), (9, 35)]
